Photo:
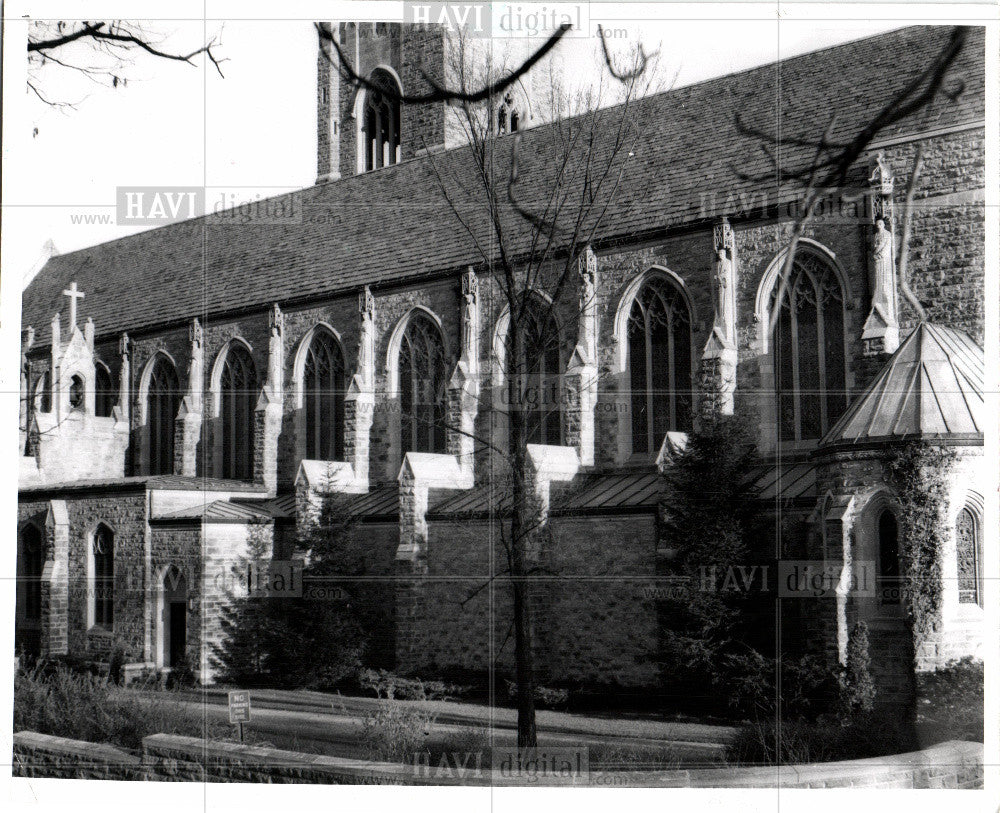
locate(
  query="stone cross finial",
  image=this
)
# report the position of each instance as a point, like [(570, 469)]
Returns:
[(74, 294)]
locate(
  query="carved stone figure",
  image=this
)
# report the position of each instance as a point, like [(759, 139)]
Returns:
[(883, 266), (276, 350), (366, 341)]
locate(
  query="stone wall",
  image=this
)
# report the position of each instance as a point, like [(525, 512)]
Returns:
[(946, 269), (172, 758), (125, 514), (592, 623)]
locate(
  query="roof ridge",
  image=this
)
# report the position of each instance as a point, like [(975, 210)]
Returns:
[(777, 63)]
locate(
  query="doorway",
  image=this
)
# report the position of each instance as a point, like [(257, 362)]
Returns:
[(173, 621)]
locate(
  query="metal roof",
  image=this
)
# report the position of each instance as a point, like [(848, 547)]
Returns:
[(784, 481), (222, 511), (932, 387)]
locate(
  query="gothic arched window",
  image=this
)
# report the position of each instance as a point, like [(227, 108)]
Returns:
[(43, 393), (30, 583), (422, 382), (534, 379), (380, 121), (104, 576), (76, 392), (889, 582), (239, 391), (659, 349), (104, 395), (323, 398), (810, 367), (969, 543), (163, 399)]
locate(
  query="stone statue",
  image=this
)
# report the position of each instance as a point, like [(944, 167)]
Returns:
[(366, 340), (883, 266), (725, 315), (195, 366), (470, 314), (276, 349)]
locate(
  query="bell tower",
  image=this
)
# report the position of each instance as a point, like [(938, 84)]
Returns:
[(360, 130)]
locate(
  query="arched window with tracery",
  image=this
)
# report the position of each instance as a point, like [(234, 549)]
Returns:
[(968, 538), (103, 554), (889, 582), (239, 391), (30, 582), (810, 366), (422, 386), (380, 121), (659, 348), (163, 398), (323, 398), (104, 394), (534, 379)]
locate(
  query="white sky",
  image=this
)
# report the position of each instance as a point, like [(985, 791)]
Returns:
[(252, 133)]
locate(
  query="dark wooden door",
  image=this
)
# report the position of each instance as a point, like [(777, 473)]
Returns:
[(178, 631)]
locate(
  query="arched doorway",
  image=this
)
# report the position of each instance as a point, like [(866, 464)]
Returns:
[(173, 618)]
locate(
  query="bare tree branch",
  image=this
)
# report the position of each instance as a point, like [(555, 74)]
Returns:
[(438, 92)]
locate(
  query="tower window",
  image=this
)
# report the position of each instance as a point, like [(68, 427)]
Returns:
[(508, 117), (380, 122)]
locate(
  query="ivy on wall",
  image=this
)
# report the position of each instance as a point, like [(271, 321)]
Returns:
[(919, 472)]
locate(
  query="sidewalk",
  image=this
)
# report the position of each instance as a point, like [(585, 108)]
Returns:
[(696, 740)]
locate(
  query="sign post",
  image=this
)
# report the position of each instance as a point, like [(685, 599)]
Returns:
[(239, 709)]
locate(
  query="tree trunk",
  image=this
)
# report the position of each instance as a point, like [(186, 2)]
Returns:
[(527, 735)]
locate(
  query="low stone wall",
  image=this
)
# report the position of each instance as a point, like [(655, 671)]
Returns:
[(41, 755), (946, 765), (189, 759), (171, 758)]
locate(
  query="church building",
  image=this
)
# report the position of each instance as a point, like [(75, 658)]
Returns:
[(186, 386)]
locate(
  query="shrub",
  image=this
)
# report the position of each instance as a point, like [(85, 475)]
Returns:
[(389, 686), (950, 702), (544, 696), (56, 700), (181, 676), (855, 681), (394, 731), (792, 742), (116, 663)]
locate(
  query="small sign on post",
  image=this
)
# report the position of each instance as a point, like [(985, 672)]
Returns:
[(239, 709)]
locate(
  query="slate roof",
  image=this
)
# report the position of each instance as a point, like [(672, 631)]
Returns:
[(168, 482), (932, 387), (393, 224)]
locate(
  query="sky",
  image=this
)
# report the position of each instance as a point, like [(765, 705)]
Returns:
[(252, 133)]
